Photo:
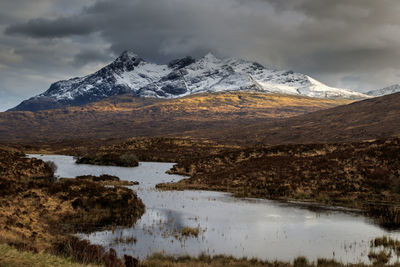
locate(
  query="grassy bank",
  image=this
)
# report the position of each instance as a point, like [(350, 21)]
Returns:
[(220, 260), (11, 257), (40, 214)]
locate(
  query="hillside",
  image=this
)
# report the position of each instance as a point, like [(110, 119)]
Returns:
[(385, 91), (375, 118), (199, 115)]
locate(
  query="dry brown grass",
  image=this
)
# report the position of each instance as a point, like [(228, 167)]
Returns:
[(39, 214)]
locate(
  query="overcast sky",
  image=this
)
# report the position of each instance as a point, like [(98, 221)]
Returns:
[(344, 43)]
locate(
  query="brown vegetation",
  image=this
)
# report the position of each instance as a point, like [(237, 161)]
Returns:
[(376, 118), (38, 212), (110, 159), (10, 256), (221, 260), (146, 149), (388, 248)]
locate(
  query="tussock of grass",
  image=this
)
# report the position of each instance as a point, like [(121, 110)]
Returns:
[(380, 258), (188, 231)]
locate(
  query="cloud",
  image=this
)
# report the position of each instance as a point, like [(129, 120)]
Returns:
[(343, 42), (44, 28), (91, 56)]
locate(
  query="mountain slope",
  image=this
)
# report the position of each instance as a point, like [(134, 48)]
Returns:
[(376, 118), (385, 91), (240, 117), (131, 74), (198, 115)]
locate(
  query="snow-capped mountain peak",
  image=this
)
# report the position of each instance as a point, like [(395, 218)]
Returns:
[(385, 91), (210, 57), (180, 77)]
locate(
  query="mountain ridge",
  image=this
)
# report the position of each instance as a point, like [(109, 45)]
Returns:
[(385, 91), (129, 73)]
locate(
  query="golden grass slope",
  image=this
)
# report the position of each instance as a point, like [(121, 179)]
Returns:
[(375, 118), (127, 116)]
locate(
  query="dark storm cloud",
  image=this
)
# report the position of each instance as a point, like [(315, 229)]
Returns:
[(343, 42), (45, 28)]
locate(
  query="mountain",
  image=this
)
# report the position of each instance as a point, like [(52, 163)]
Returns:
[(129, 73), (385, 91), (125, 116)]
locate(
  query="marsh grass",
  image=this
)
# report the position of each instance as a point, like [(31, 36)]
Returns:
[(189, 231), (10, 256), (203, 260), (125, 240), (383, 249)]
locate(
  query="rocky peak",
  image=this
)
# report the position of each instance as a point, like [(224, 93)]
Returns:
[(127, 61), (181, 63), (210, 57)]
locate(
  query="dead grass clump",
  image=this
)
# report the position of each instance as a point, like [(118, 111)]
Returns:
[(380, 258), (188, 231), (125, 240)]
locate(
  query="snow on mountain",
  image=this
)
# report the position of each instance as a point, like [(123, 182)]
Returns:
[(385, 91), (181, 77)]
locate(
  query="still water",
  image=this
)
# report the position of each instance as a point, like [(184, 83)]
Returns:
[(264, 229)]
